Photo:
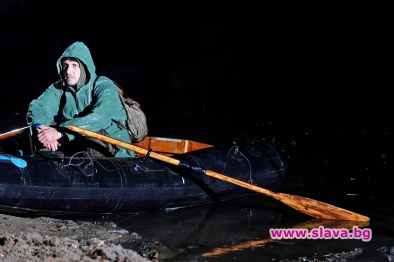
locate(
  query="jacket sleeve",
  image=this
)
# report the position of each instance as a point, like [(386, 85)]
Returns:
[(106, 103), (44, 109)]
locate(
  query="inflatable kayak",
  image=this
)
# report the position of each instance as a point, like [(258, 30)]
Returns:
[(80, 185)]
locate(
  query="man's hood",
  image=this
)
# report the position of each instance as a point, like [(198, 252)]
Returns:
[(80, 51)]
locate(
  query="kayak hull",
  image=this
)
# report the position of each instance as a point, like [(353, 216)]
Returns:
[(84, 186)]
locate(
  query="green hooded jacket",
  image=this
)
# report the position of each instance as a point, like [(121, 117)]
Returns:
[(93, 106)]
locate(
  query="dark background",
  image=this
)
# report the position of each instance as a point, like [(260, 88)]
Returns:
[(313, 80), (327, 67)]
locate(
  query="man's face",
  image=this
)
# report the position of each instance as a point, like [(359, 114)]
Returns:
[(71, 71)]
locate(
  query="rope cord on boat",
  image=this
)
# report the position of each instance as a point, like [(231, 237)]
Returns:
[(90, 163), (87, 156), (74, 155), (236, 150)]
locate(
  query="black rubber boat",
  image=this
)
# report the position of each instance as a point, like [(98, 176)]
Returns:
[(80, 185)]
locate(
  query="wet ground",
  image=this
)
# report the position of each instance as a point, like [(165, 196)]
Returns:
[(49, 239)]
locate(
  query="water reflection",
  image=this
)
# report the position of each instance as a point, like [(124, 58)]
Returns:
[(226, 232), (203, 226), (310, 224)]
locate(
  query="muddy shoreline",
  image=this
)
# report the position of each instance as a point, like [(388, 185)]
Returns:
[(50, 239)]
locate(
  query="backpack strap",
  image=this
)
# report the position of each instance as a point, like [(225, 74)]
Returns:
[(136, 124)]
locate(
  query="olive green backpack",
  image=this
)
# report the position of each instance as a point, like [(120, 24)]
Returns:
[(136, 123)]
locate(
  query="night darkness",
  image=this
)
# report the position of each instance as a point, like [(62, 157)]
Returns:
[(315, 69), (314, 83)]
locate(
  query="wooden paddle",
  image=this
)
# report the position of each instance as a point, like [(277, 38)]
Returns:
[(308, 206), (13, 133)]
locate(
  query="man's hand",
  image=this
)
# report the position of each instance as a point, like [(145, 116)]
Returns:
[(48, 137), (53, 146)]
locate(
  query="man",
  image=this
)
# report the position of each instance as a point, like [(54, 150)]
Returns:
[(79, 98)]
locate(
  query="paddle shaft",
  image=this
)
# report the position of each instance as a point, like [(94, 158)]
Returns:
[(308, 206), (13, 133)]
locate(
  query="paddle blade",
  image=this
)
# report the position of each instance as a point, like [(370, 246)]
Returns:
[(19, 162), (318, 209), (308, 206)]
